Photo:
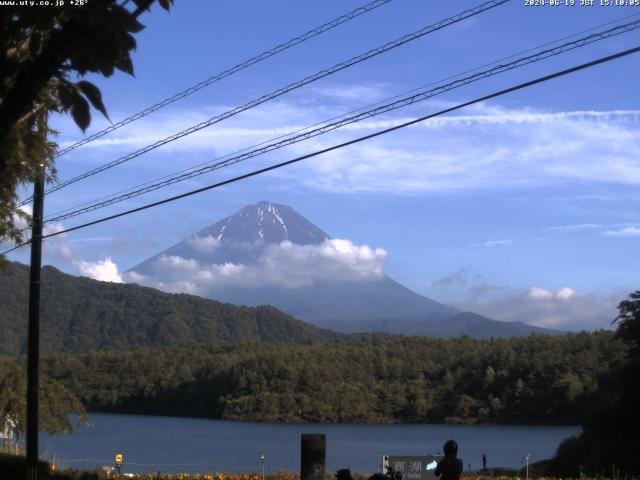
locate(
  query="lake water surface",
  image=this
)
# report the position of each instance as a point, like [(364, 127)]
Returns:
[(170, 444)]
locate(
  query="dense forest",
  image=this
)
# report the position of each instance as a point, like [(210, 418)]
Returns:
[(610, 440), (538, 379), (129, 349), (80, 315)]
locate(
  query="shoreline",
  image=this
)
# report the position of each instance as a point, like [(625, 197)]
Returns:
[(235, 446), (303, 422)]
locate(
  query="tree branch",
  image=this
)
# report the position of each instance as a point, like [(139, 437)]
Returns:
[(30, 114)]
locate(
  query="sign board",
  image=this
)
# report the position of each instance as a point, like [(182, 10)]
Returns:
[(119, 458), (312, 456), (412, 467)]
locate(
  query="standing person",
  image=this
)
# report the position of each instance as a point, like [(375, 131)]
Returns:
[(484, 461), (450, 467)]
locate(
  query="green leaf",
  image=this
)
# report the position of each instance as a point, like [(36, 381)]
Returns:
[(166, 4), (125, 64), (105, 66), (65, 94), (80, 112), (126, 19), (93, 95)]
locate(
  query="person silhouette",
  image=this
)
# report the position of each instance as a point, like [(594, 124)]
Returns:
[(450, 467), (484, 461)]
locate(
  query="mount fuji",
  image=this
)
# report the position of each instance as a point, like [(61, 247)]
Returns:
[(268, 254)]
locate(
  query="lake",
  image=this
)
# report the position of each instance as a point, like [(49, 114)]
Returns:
[(170, 444)]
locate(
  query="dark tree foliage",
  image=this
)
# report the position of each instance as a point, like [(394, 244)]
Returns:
[(629, 324), (83, 315), (531, 380), (610, 442), (42, 49), (56, 403)]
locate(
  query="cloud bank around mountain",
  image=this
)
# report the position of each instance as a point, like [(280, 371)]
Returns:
[(564, 308), (282, 265)]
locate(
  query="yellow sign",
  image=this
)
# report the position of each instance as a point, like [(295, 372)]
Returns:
[(119, 458)]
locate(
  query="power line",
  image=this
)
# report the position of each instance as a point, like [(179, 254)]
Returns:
[(15, 248), (350, 142), (403, 102), (281, 91), (121, 192), (226, 73), (344, 115)]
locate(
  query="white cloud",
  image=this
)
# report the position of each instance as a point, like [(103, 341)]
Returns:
[(65, 252), (498, 152), (255, 125), (539, 293), (53, 227), (565, 293), (503, 147), (563, 309), (60, 247), (103, 270), (626, 232), (493, 243), (575, 228), (364, 93), (56, 245), (285, 264), (93, 239), (203, 244), (621, 230), (179, 263), (134, 277)]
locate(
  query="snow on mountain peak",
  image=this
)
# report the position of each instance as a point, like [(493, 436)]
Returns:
[(265, 222)]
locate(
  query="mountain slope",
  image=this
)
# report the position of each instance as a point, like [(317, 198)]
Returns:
[(442, 326), (82, 315), (247, 240), (240, 238), (323, 303)]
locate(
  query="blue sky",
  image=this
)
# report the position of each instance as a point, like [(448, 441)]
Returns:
[(525, 207)]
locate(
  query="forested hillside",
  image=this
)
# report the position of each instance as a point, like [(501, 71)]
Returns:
[(82, 315), (538, 379)]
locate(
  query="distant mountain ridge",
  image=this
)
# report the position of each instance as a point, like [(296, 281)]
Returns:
[(443, 326), (380, 304)]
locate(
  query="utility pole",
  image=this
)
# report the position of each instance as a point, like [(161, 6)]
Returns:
[(33, 339), (526, 458)]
